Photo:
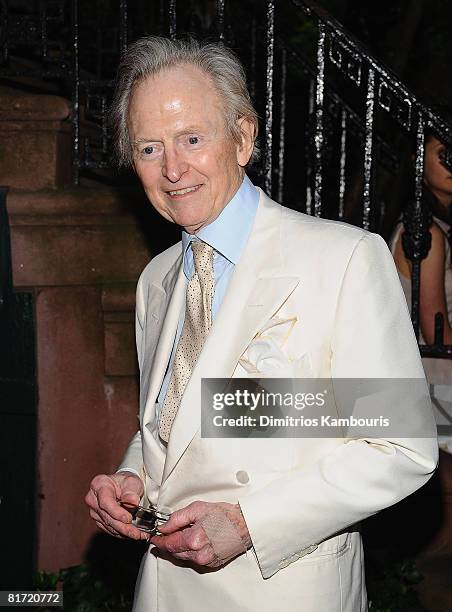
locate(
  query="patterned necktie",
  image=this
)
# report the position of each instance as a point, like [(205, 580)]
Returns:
[(197, 324)]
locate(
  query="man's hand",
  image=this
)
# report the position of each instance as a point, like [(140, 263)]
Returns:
[(208, 534), (103, 496)]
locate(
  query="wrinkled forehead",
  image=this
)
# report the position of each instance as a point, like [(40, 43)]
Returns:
[(181, 84)]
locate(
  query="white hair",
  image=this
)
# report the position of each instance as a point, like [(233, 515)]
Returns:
[(150, 55)]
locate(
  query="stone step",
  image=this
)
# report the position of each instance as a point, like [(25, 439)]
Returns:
[(75, 236), (35, 140), (79, 251)]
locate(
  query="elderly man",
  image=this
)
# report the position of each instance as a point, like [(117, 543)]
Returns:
[(257, 524)]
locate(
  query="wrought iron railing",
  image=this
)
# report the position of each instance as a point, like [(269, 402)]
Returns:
[(383, 90), (316, 88)]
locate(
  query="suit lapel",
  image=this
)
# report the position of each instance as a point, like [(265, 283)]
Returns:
[(255, 292), (162, 318), (168, 314)]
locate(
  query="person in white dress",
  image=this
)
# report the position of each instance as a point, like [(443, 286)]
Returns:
[(435, 284)]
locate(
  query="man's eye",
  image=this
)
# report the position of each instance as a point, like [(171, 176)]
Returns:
[(193, 140), (148, 150)]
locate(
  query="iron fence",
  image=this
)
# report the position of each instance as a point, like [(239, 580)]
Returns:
[(335, 120)]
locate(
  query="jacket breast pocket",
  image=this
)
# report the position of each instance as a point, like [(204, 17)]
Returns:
[(265, 358)]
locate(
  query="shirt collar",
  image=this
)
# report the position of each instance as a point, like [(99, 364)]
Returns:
[(228, 233)]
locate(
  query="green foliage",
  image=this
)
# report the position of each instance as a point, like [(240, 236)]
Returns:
[(389, 584), (46, 582), (390, 588), (84, 591)]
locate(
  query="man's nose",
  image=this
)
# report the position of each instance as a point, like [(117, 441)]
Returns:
[(174, 166)]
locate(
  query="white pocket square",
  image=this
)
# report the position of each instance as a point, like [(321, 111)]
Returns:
[(264, 355)]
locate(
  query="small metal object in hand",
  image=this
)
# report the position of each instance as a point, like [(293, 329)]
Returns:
[(146, 519)]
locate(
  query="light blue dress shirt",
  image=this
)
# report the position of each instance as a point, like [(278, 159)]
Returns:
[(227, 234)]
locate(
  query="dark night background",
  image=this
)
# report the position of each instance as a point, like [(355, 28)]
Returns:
[(413, 37)]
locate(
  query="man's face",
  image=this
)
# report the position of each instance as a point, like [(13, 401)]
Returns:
[(188, 163)]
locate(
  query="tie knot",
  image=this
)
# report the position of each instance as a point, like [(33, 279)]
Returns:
[(203, 258)]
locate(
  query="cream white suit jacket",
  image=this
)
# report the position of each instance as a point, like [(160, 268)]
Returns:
[(335, 291)]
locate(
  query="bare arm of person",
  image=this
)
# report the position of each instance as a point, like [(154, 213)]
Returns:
[(432, 292)]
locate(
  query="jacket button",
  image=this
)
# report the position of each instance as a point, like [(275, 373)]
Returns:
[(242, 477)]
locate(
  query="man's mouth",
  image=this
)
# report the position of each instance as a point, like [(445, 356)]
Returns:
[(179, 192)]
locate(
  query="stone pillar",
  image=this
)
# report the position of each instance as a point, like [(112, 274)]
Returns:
[(79, 250)]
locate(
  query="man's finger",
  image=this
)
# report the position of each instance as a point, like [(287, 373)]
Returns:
[(124, 529), (191, 539), (108, 502), (105, 522), (205, 556), (108, 530), (184, 518), (91, 500), (95, 515), (106, 490), (173, 543)]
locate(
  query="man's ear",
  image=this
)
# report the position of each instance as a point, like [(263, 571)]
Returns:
[(248, 134)]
